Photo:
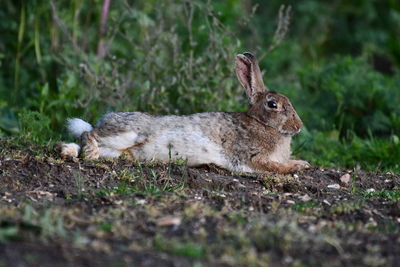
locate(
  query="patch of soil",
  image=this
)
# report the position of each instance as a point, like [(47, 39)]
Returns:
[(124, 213)]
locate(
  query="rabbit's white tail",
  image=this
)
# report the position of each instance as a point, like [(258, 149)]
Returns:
[(77, 127)]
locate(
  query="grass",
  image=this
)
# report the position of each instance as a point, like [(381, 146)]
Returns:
[(371, 154), (67, 67)]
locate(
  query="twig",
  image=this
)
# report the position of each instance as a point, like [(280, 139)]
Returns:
[(57, 20), (281, 30), (101, 49)]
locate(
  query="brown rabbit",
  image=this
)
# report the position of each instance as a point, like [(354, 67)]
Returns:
[(254, 141)]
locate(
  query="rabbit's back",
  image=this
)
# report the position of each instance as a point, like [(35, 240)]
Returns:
[(112, 124), (196, 138)]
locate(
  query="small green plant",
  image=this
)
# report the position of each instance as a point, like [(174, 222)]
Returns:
[(325, 149), (27, 220), (390, 195), (47, 221), (80, 185), (8, 233), (339, 99), (149, 182), (106, 227), (387, 227), (306, 207), (190, 250), (51, 224), (125, 175), (35, 127), (180, 248), (346, 207)]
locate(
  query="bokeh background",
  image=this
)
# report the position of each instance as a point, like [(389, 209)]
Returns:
[(337, 61)]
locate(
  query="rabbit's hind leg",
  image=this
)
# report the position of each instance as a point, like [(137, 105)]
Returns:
[(90, 148), (112, 146)]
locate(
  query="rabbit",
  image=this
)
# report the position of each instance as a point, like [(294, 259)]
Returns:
[(255, 141)]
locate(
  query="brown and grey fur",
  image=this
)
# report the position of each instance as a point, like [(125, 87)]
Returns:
[(254, 141)]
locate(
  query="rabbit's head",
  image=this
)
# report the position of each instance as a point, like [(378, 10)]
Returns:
[(268, 107)]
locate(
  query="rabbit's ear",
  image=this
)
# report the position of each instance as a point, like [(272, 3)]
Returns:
[(249, 75)]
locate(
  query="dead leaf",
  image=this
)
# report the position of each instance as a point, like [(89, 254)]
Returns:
[(101, 246), (327, 202), (169, 221), (40, 194)]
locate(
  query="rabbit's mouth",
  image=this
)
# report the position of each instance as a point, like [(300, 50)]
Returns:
[(277, 128), (289, 133)]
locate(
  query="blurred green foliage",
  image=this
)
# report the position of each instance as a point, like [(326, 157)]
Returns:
[(338, 65)]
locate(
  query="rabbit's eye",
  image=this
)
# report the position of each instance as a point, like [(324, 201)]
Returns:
[(272, 104)]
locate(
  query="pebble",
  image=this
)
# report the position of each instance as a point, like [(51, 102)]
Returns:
[(239, 185), (305, 198), (141, 201), (334, 186), (118, 202), (345, 178)]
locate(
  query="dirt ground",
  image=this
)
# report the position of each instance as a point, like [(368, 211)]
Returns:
[(118, 213)]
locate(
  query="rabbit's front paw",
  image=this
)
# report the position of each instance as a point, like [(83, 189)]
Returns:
[(299, 165)]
